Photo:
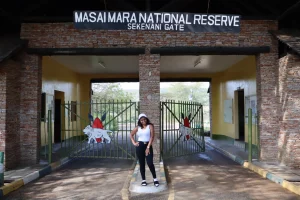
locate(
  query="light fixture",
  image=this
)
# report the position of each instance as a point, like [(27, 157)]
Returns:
[(197, 61), (101, 64)]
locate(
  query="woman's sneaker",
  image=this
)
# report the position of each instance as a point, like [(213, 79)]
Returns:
[(156, 183), (144, 183)]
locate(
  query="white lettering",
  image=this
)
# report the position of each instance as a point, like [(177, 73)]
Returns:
[(141, 17), (133, 18), (181, 27), (230, 20), (150, 19), (176, 27), (217, 20), (167, 18), (78, 18), (111, 18), (181, 19), (204, 19), (143, 26), (211, 20), (119, 18), (100, 18), (156, 15), (197, 18), (126, 16), (236, 21), (174, 19), (224, 20), (187, 19), (85, 17), (92, 17)]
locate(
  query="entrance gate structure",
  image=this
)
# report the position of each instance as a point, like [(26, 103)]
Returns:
[(182, 131), (106, 132)]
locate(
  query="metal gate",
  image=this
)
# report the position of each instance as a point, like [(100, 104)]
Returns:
[(182, 131), (100, 129)]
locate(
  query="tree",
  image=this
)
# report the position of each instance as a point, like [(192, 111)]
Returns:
[(195, 92), (110, 91)]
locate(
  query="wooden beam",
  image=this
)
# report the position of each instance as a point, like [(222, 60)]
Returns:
[(86, 51), (210, 50)]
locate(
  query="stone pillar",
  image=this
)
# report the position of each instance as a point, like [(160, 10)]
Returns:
[(267, 104), (10, 72), (149, 77), (30, 108), (289, 120)]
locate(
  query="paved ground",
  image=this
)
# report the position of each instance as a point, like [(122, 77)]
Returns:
[(80, 179), (209, 176)]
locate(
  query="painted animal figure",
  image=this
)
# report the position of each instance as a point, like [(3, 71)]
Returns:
[(185, 129), (97, 135)]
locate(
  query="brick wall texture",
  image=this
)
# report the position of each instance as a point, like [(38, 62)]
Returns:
[(20, 89), (289, 113), (149, 77), (10, 73), (63, 35)]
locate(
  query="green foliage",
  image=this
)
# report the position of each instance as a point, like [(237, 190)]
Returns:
[(110, 91), (195, 92), (112, 123)]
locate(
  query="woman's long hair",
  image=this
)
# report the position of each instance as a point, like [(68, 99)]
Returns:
[(147, 122)]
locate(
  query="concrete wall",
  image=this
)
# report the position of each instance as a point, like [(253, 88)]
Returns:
[(224, 85)]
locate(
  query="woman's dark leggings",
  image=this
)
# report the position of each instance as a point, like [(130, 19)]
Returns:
[(140, 151)]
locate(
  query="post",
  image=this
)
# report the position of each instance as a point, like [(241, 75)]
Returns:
[(1, 168), (49, 136), (202, 128), (249, 135)]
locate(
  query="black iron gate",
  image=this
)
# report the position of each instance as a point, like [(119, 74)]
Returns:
[(182, 131)]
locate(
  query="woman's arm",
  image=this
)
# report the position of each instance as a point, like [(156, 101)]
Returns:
[(133, 132), (151, 136)]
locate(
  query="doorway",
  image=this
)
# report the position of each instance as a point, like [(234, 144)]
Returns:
[(241, 115), (59, 98)]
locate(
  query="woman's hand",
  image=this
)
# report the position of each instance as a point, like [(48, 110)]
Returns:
[(147, 152), (136, 144)]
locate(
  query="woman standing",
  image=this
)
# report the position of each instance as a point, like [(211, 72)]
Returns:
[(144, 150)]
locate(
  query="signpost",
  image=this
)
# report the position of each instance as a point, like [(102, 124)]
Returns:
[(156, 21)]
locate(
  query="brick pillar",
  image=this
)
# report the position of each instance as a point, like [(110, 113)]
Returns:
[(30, 106), (10, 72), (149, 77), (289, 99), (267, 104)]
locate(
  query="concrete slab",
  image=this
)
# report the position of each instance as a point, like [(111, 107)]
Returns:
[(135, 183)]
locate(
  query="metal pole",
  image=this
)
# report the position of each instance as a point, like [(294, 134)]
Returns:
[(1, 168), (49, 136), (249, 135)]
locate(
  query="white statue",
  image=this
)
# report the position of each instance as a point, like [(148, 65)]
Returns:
[(97, 135)]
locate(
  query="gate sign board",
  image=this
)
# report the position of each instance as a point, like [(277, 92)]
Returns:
[(156, 21)]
